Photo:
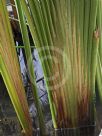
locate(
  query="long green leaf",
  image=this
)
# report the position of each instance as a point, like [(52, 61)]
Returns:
[(10, 71), (30, 67)]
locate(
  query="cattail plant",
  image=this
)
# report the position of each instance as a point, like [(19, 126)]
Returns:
[(66, 34), (66, 30), (10, 71), (67, 38)]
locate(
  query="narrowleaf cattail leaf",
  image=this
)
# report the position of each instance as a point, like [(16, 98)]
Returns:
[(30, 66), (10, 71), (99, 60)]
